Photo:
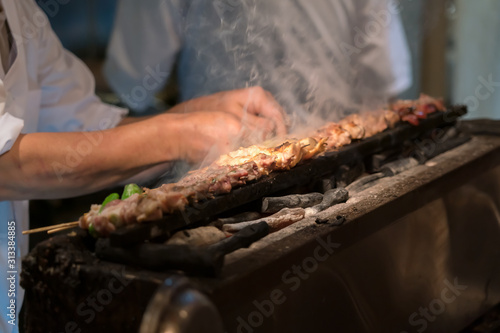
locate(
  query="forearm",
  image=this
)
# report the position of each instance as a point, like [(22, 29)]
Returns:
[(133, 120), (55, 165)]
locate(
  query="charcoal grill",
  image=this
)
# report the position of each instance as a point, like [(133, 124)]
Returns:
[(303, 174), (417, 251)]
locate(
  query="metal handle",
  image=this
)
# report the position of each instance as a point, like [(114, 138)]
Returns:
[(177, 307)]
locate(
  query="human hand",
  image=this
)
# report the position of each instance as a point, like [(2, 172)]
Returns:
[(206, 135), (260, 115)]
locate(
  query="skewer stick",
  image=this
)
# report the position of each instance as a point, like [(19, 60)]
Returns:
[(50, 227), (61, 229)]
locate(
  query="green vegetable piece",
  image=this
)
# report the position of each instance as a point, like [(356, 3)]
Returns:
[(130, 189), (92, 231), (109, 198)]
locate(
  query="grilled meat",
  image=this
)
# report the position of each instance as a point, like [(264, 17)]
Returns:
[(335, 134), (249, 164), (413, 110)]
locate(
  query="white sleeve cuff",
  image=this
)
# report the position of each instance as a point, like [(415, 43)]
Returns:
[(10, 128)]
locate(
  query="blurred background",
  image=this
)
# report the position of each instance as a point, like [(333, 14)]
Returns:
[(455, 48)]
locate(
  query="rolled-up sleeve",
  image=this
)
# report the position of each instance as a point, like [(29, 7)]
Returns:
[(10, 128)]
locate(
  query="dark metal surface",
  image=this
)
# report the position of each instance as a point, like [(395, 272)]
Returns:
[(178, 307), (303, 174)]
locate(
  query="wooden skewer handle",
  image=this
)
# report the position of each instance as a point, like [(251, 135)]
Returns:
[(50, 227), (52, 231)]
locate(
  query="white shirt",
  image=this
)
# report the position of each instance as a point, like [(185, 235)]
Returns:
[(327, 56), (46, 89)]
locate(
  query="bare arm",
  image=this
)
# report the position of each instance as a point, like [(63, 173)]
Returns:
[(55, 165), (132, 120)]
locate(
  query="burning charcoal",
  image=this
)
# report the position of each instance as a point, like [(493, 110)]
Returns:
[(275, 204), (280, 220), (393, 168), (241, 239), (365, 182), (198, 237), (330, 198), (448, 145), (247, 216), (437, 148), (377, 161), (388, 170), (435, 143)]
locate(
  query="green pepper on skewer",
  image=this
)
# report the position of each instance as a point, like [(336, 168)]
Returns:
[(92, 231), (128, 191), (109, 198), (131, 189)]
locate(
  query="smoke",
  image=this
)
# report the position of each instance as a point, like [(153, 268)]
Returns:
[(321, 59), (172, 174)]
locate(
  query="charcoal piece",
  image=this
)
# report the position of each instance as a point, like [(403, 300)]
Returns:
[(275, 204), (447, 145), (277, 221), (365, 182), (396, 167), (377, 161), (247, 216), (432, 148), (241, 239), (193, 261), (197, 237), (388, 170), (330, 198)]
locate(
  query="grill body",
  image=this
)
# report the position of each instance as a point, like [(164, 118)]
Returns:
[(418, 252)]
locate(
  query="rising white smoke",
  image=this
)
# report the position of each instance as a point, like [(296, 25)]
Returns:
[(323, 57)]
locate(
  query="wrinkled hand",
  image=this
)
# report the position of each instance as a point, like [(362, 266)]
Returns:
[(206, 135), (259, 114)]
